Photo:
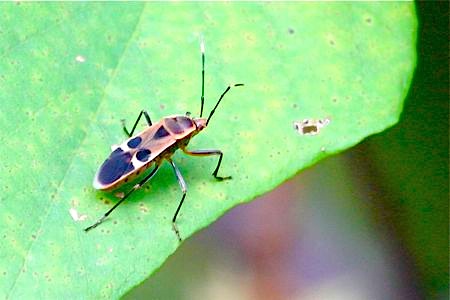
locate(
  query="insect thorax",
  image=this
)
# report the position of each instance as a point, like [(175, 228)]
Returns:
[(179, 126)]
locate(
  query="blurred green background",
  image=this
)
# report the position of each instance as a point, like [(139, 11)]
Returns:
[(371, 223)]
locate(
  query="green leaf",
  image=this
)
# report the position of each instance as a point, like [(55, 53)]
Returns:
[(70, 71)]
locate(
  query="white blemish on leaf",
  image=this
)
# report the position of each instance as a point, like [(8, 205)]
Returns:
[(80, 59), (120, 195), (311, 126), (75, 216)]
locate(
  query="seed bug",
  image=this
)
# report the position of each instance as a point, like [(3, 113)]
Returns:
[(151, 147)]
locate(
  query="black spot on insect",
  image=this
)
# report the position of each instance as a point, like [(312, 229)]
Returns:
[(115, 166), (185, 122), (143, 155), (160, 133), (179, 124), (134, 142), (173, 126)]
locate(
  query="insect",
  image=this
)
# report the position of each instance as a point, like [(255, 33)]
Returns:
[(155, 144)]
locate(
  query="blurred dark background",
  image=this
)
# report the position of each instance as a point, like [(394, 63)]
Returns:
[(370, 223)]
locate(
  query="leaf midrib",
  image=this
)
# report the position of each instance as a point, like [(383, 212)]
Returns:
[(72, 159)]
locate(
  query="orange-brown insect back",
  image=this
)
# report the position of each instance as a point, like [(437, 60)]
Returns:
[(139, 152), (151, 147)]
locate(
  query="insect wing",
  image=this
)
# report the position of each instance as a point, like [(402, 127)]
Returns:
[(115, 166), (155, 142), (139, 151)]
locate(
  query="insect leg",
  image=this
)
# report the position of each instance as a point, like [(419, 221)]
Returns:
[(137, 186), (183, 189), (208, 153), (147, 118)]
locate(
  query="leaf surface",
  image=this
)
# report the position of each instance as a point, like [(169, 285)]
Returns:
[(70, 71)]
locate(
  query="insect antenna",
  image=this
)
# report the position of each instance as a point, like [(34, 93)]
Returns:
[(202, 49), (220, 99)]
